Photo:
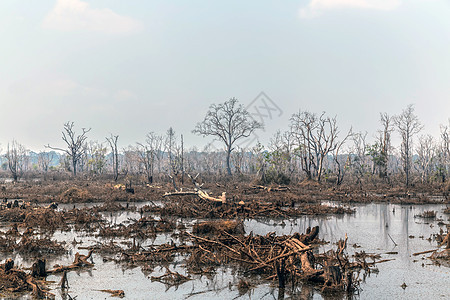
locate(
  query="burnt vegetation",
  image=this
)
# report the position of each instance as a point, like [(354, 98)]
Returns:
[(200, 200)]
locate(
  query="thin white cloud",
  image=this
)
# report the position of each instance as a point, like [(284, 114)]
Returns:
[(74, 15), (317, 7)]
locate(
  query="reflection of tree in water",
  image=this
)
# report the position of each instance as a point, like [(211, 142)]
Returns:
[(384, 224), (405, 226)]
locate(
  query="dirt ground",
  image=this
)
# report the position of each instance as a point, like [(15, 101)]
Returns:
[(79, 191)]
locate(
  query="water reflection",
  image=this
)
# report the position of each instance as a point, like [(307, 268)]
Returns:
[(374, 227), (382, 228)]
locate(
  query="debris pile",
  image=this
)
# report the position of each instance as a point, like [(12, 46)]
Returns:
[(287, 258)]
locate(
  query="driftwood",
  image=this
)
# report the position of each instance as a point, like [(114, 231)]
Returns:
[(424, 252), (282, 258), (271, 189), (181, 193), (446, 241), (37, 291), (201, 194), (171, 277), (79, 261), (115, 293), (197, 191)]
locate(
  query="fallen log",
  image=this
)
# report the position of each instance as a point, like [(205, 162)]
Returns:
[(269, 189), (115, 293), (190, 193), (79, 261), (446, 240), (424, 252), (201, 194), (171, 278), (204, 195), (37, 291)]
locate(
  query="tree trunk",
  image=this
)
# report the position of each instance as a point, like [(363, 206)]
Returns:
[(38, 268), (228, 161), (116, 165), (319, 171), (74, 165)]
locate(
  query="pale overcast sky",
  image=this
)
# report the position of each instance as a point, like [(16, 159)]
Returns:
[(130, 67)]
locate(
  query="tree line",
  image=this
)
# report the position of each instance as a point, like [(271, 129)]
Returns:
[(313, 148)]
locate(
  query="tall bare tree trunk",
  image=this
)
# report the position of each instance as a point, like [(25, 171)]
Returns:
[(228, 161)]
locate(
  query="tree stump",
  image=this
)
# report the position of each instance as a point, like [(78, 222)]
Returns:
[(9, 264), (64, 282), (38, 268)]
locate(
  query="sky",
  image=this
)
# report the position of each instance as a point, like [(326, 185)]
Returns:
[(131, 67)]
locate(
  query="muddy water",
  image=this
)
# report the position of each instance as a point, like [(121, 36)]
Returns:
[(376, 228)]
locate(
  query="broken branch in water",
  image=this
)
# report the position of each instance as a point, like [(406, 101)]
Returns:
[(79, 261)]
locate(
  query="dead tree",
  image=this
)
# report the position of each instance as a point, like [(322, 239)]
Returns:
[(112, 140), (182, 159), (341, 170), (229, 122), (408, 125), (425, 156), (44, 161), (384, 140), (444, 152), (325, 140), (359, 161), (303, 126), (148, 154), (16, 154), (75, 144), (317, 137), (170, 146), (280, 153)]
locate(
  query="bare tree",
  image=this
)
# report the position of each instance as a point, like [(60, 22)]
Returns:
[(182, 159), (303, 125), (408, 125), (317, 136), (131, 161), (384, 140), (425, 156), (237, 158), (16, 154), (148, 154), (341, 165), (96, 155), (258, 154), (170, 146), (44, 161), (229, 122), (112, 141), (359, 163), (76, 147), (444, 152)]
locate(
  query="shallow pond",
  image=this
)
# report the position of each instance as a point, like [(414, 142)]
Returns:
[(376, 228)]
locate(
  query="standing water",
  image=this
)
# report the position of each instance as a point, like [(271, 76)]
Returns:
[(393, 231)]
